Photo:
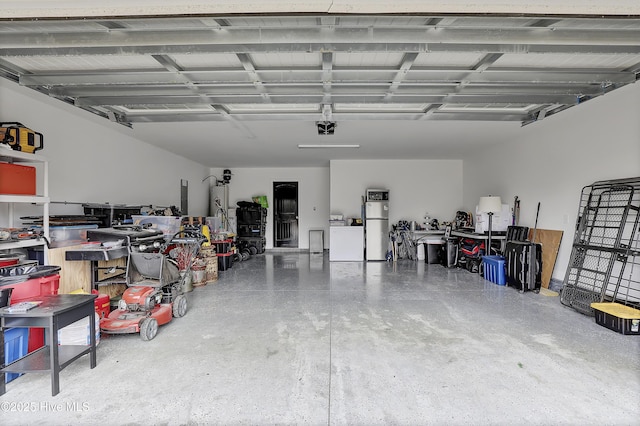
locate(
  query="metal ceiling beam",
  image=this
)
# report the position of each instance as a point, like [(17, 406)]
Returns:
[(300, 39), (429, 111), (506, 47), (544, 22), (482, 65), (10, 71), (318, 99), (474, 116), (543, 112), (169, 64), (173, 67), (428, 92), (111, 25), (327, 76), (342, 76), (250, 69), (223, 89), (487, 61), (407, 62), (279, 33)]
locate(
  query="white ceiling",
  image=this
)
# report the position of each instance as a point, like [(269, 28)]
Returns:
[(245, 90)]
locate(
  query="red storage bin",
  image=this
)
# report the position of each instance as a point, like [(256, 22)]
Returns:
[(102, 304), (34, 287)]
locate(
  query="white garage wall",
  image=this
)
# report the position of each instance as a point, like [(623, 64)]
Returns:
[(93, 160), (415, 187), (555, 158), (313, 195)]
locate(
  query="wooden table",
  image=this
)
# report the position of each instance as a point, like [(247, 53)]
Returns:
[(55, 312)]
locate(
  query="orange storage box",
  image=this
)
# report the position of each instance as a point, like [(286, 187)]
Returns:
[(16, 179)]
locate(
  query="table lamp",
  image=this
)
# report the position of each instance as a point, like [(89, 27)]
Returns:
[(489, 205)]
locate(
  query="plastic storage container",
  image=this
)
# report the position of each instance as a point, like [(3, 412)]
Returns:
[(102, 305), (433, 251), (64, 236), (27, 283), (78, 333), (494, 269), (15, 347), (26, 286), (617, 317), (169, 225)]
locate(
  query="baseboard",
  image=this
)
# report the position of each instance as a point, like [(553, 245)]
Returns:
[(286, 250), (556, 285)]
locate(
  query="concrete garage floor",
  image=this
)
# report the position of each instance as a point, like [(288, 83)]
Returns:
[(294, 339)]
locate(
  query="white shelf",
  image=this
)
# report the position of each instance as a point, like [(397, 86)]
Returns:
[(34, 242), (18, 157), (26, 199)]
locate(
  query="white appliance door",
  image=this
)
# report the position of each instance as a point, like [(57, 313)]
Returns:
[(346, 243), (377, 210), (377, 239)]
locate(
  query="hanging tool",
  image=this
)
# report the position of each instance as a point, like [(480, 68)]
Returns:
[(516, 211), (535, 227)]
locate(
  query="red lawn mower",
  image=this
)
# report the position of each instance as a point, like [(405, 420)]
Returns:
[(155, 293)]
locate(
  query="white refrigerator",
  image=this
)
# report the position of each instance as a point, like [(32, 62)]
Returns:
[(377, 229)]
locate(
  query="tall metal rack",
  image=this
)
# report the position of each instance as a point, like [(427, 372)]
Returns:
[(605, 259)]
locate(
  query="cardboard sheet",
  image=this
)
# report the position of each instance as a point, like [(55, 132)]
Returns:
[(550, 241)]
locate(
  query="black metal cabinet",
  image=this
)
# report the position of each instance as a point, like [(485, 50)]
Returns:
[(252, 224)]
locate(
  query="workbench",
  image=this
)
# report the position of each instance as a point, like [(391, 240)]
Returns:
[(427, 234), (54, 313), (105, 270)]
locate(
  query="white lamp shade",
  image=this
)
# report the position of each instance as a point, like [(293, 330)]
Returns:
[(490, 204)]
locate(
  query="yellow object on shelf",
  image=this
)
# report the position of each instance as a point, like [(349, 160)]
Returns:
[(207, 234)]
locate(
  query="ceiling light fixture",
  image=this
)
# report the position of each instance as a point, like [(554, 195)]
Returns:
[(303, 146)]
